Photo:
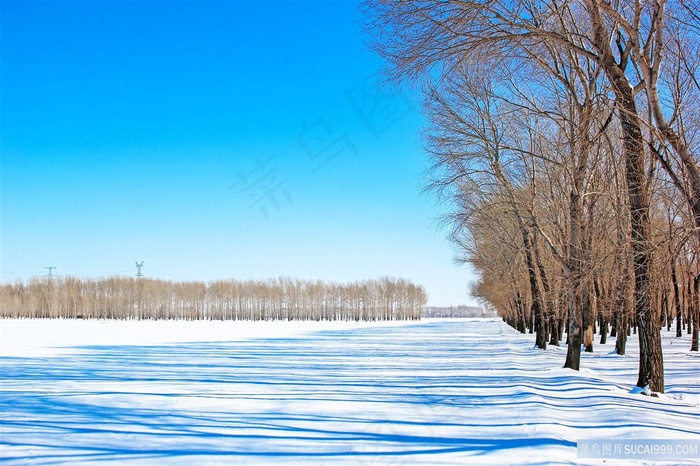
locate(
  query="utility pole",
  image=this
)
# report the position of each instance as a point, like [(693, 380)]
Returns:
[(49, 294), (139, 265), (50, 269)]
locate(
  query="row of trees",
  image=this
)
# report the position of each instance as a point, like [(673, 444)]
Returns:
[(565, 136), (461, 312), (275, 299)]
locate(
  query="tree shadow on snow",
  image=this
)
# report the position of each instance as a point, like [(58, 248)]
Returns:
[(393, 392)]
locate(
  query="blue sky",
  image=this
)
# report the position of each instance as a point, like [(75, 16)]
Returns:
[(211, 140)]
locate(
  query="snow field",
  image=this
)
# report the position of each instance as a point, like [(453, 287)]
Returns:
[(430, 392)]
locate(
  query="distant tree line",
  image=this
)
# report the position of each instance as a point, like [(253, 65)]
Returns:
[(121, 297), (461, 312)]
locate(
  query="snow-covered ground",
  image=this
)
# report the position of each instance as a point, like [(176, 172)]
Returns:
[(431, 392)]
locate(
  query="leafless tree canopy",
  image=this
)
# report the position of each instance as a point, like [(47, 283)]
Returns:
[(278, 299), (565, 138)]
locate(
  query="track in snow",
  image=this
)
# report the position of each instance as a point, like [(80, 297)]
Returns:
[(434, 392)]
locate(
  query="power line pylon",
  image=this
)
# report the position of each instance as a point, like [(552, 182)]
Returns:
[(50, 269)]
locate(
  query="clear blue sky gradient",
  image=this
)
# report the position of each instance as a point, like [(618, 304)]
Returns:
[(221, 139)]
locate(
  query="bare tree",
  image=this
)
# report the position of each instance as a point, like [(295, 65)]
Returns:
[(281, 299), (432, 39)]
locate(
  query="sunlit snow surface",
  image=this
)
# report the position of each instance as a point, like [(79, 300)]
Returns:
[(430, 392)]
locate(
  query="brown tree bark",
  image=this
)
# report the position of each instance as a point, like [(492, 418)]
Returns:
[(574, 272), (651, 372), (695, 309), (677, 299)]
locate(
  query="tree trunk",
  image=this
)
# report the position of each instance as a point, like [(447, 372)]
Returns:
[(603, 331), (665, 319), (695, 309), (536, 305), (651, 368), (689, 315), (574, 279), (622, 333), (521, 313), (554, 336), (588, 320), (548, 308), (677, 300), (563, 324), (621, 313), (574, 338), (690, 320), (537, 308)]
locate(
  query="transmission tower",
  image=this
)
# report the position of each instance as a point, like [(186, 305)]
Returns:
[(138, 269), (50, 269)]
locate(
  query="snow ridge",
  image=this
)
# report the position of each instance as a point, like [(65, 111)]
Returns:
[(465, 391)]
